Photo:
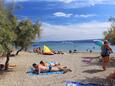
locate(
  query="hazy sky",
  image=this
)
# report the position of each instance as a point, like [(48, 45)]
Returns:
[(68, 19)]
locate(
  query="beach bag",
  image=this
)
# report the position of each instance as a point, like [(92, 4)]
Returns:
[(105, 51)]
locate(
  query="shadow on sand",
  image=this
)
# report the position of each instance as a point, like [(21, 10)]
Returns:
[(96, 57), (98, 62), (5, 71), (92, 71), (95, 80)]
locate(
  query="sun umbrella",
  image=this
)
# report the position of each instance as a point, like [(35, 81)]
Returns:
[(98, 42)]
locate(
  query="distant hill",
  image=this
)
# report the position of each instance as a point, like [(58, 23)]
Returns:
[(87, 40)]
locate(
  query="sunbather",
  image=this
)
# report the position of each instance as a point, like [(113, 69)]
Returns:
[(51, 63), (42, 67)]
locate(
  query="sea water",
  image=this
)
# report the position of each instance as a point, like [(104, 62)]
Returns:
[(81, 46)]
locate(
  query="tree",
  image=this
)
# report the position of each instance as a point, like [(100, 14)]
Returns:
[(13, 32), (7, 35), (26, 32), (110, 34), (1, 5)]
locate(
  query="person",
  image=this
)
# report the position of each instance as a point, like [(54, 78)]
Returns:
[(105, 52), (75, 51), (42, 67), (111, 79), (38, 50), (90, 51), (94, 48), (87, 50), (70, 51), (51, 63), (61, 52), (34, 50), (53, 51), (58, 52)]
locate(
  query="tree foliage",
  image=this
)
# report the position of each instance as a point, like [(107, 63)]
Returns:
[(110, 34), (26, 31), (15, 33), (7, 35)]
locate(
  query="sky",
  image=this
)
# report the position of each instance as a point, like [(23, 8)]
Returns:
[(67, 19)]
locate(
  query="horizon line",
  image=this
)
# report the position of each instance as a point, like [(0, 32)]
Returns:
[(68, 40)]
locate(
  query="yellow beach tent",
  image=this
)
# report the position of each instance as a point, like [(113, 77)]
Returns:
[(47, 51)]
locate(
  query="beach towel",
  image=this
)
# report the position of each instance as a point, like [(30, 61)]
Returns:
[(30, 73), (69, 83)]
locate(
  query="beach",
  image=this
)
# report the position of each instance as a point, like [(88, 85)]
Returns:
[(76, 34), (81, 71)]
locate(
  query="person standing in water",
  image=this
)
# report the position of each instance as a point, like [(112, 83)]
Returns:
[(105, 53)]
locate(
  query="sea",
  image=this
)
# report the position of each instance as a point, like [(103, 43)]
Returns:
[(65, 46)]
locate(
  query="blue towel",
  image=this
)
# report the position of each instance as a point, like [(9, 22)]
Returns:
[(30, 72), (68, 83)]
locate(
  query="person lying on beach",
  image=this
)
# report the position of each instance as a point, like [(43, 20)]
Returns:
[(42, 67), (50, 63), (53, 64), (111, 79)]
